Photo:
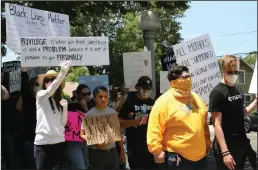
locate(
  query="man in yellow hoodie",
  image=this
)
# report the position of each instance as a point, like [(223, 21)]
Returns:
[(178, 135)]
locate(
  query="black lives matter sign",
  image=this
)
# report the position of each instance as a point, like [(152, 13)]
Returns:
[(168, 61), (102, 129)]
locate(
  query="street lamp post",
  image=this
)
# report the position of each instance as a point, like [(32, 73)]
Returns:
[(149, 21)]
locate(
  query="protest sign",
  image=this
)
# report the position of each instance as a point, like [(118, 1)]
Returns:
[(11, 66), (29, 22), (94, 81), (73, 126), (168, 61), (253, 85), (15, 76), (15, 80), (136, 64), (102, 129), (81, 51), (164, 83), (199, 56)]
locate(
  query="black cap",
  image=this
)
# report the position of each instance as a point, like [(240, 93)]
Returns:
[(145, 82)]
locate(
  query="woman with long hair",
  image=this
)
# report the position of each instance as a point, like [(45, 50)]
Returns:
[(77, 151), (49, 149)]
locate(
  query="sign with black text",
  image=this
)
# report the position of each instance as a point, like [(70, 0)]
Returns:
[(81, 51), (168, 61), (199, 56), (22, 21), (11, 66)]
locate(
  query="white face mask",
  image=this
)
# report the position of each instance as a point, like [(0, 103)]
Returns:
[(232, 78), (36, 89), (145, 93)]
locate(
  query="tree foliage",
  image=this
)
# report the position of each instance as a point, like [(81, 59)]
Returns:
[(118, 21), (251, 59)]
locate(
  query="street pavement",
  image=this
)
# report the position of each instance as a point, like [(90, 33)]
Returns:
[(252, 136)]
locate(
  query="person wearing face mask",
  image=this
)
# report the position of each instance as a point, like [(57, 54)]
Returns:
[(178, 135), (231, 146), (29, 89), (134, 117)]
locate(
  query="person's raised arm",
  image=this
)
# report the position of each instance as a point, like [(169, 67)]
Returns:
[(24, 83), (64, 116), (56, 83)]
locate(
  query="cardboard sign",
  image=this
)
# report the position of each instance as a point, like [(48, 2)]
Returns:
[(81, 51), (94, 81), (136, 64), (73, 127), (102, 129), (253, 85), (29, 22), (199, 56), (11, 66), (168, 61)]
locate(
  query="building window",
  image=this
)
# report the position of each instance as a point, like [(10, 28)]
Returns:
[(247, 99), (241, 77)]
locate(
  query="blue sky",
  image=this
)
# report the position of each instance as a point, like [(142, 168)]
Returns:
[(220, 18)]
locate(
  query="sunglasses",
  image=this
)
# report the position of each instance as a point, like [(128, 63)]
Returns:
[(86, 94), (47, 80), (232, 72), (185, 77)]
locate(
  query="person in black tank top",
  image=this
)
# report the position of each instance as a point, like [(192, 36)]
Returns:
[(232, 148)]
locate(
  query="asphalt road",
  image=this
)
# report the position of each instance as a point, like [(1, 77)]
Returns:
[(252, 136)]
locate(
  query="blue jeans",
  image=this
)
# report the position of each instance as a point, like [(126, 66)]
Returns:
[(172, 163), (77, 155)]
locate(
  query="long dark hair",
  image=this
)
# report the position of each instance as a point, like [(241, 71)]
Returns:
[(57, 98), (79, 89), (31, 85)]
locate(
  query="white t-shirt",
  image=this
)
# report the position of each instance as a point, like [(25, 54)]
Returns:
[(96, 112)]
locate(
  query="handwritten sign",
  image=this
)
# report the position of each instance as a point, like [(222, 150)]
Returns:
[(164, 83), (94, 81), (15, 80), (253, 85), (199, 56), (81, 51), (73, 127), (29, 22), (136, 64), (168, 61), (15, 76), (11, 66), (102, 129)]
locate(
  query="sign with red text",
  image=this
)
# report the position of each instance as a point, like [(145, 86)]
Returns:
[(199, 56), (22, 21), (80, 51)]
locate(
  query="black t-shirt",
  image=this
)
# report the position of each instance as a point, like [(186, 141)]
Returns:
[(229, 101), (133, 107)]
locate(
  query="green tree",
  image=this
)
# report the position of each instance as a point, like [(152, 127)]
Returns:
[(251, 58), (75, 73)]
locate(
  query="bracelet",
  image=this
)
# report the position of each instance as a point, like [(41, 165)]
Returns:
[(224, 152)]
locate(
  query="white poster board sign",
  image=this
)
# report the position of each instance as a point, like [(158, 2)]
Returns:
[(81, 51), (136, 64), (253, 85), (15, 76), (29, 22), (15, 80), (164, 83), (199, 56)]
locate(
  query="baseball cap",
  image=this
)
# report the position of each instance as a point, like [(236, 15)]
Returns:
[(145, 82)]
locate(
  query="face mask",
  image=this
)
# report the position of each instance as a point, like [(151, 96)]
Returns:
[(36, 89), (181, 87), (145, 93), (232, 78)]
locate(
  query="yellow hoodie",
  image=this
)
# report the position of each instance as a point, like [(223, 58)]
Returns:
[(175, 127)]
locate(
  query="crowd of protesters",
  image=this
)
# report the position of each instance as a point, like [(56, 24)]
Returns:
[(168, 133)]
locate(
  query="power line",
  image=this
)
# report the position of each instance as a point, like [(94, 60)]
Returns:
[(239, 33)]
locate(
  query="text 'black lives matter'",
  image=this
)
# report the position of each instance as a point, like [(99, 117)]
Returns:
[(168, 61)]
